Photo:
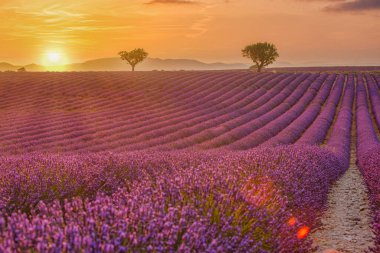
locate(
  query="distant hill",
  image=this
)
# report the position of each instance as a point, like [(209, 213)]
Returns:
[(34, 67), (115, 64), (4, 66)]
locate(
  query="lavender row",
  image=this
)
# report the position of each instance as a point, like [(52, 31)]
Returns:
[(317, 132), (366, 134), (193, 134), (165, 202), (340, 138), (368, 149), (196, 86), (123, 89), (90, 133), (132, 86), (276, 125), (225, 105), (217, 127), (271, 99), (125, 116), (374, 97), (120, 132), (243, 126), (295, 129), (116, 137)]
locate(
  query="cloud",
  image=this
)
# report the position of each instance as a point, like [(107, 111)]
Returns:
[(172, 2), (357, 5), (349, 5)]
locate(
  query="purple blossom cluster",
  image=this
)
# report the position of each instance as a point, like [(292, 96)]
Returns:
[(164, 202)]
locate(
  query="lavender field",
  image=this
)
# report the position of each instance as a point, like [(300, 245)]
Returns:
[(185, 161)]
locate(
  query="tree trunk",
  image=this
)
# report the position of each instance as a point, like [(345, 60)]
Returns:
[(260, 66), (133, 67)]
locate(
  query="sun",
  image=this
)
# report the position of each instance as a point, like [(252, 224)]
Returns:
[(54, 57)]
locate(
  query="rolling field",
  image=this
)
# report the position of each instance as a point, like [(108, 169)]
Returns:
[(213, 161)]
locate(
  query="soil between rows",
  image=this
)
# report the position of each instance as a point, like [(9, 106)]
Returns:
[(346, 224)]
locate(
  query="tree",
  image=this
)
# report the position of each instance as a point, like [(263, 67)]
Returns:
[(133, 57), (262, 54)]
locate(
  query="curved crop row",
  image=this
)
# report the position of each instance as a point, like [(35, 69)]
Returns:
[(241, 202), (226, 109), (340, 139), (255, 138), (368, 147), (317, 132), (374, 96), (269, 100), (68, 197), (191, 129), (242, 126), (146, 100), (294, 130)]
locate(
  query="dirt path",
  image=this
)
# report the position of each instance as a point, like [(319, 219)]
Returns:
[(346, 222)]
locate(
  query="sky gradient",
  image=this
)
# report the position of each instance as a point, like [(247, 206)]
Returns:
[(306, 32)]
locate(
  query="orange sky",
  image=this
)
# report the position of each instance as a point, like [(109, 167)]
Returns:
[(311, 32)]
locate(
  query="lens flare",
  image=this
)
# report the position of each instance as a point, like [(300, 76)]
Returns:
[(292, 221), (303, 232)]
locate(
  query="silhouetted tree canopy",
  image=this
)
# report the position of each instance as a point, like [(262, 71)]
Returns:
[(133, 57), (262, 54)]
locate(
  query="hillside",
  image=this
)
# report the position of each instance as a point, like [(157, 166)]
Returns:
[(163, 110), (190, 153), (152, 64), (115, 64)]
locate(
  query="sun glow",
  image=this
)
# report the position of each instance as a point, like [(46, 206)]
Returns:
[(55, 60), (54, 57)]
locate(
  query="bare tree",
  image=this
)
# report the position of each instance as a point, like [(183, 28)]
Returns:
[(133, 57), (262, 54)]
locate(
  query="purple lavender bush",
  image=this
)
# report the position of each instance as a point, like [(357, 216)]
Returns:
[(368, 146), (164, 202)]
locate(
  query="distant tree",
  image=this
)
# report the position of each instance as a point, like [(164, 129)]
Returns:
[(262, 54), (21, 69), (133, 57)]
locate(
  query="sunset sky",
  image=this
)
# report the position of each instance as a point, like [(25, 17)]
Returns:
[(306, 32)]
